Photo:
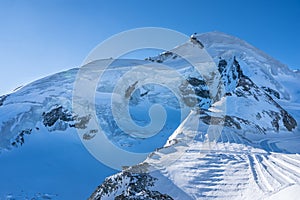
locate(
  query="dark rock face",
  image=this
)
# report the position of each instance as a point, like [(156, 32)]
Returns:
[(271, 92), (228, 121), (230, 73), (57, 113), (195, 81), (2, 99), (149, 195), (246, 88), (131, 185), (62, 114), (195, 92), (194, 40), (19, 140), (288, 121), (202, 93), (222, 65)]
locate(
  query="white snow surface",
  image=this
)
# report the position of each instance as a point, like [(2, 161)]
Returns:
[(238, 164), (234, 167), (52, 163)]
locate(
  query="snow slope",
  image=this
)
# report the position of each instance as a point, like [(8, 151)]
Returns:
[(256, 155), (38, 161), (42, 155)]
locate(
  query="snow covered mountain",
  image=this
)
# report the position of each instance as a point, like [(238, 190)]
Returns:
[(255, 156)]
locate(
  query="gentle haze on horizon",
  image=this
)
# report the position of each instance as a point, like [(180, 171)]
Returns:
[(38, 38)]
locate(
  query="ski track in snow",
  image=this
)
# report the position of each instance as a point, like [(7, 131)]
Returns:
[(231, 169)]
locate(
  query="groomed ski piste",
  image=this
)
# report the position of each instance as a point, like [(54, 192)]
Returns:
[(234, 167)]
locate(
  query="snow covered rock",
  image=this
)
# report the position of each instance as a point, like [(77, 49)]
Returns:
[(255, 155)]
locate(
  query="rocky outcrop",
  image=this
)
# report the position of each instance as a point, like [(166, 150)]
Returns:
[(195, 92), (236, 83), (271, 92), (19, 139), (129, 184), (2, 99), (162, 57), (58, 114), (55, 114), (289, 122)]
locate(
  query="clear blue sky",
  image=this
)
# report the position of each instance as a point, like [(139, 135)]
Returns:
[(40, 37)]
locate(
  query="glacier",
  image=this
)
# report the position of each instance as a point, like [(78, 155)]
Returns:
[(256, 155)]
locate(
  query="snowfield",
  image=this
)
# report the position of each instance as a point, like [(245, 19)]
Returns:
[(229, 134)]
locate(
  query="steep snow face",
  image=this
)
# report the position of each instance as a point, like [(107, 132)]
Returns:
[(235, 165), (270, 75), (40, 150), (260, 67), (23, 109), (253, 106), (41, 156), (243, 95), (256, 156)]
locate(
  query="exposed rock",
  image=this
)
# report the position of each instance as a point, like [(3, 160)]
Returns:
[(196, 41), (271, 92), (202, 93), (222, 65), (162, 57), (145, 194), (145, 93), (288, 121), (55, 114), (228, 121), (195, 92), (129, 185), (2, 99), (236, 83), (81, 122), (196, 81), (276, 118), (19, 140), (130, 89)]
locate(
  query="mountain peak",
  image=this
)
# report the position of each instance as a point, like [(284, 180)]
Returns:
[(221, 154)]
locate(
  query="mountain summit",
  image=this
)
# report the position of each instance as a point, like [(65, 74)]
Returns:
[(241, 143)]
